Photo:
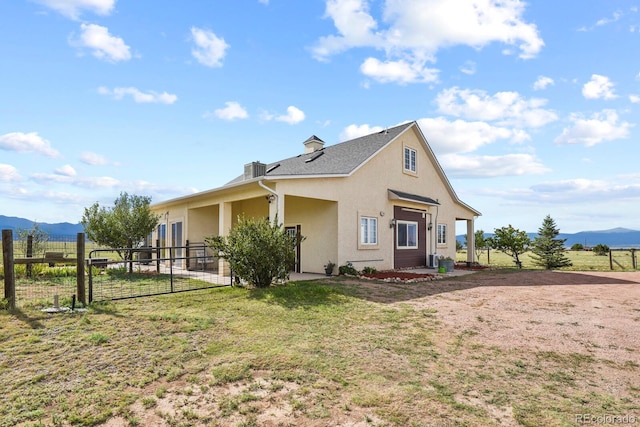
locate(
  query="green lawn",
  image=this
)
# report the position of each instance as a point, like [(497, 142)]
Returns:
[(317, 351)]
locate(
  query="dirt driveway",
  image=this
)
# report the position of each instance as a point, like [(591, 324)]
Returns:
[(598, 312)]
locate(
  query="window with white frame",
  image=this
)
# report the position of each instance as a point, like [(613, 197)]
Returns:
[(442, 234), (410, 159), (407, 235), (368, 230)]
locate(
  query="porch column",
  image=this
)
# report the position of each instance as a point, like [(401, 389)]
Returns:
[(224, 225), (471, 241), (276, 209)]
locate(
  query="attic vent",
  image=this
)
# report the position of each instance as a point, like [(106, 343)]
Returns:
[(273, 167), (315, 156), (254, 170), (313, 144)]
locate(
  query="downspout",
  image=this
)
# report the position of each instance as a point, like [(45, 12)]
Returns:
[(272, 191)]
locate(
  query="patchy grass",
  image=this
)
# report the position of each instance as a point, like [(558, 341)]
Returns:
[(301, 353), (582, 260)]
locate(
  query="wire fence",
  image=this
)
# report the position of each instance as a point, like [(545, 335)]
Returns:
[(63, 270)]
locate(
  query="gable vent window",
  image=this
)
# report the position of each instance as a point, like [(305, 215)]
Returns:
[(410, 159)]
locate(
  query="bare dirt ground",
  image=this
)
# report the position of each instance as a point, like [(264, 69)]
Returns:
[(593, 313), (544, 310)]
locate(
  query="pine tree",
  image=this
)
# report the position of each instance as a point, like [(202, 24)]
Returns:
[(548, 252)]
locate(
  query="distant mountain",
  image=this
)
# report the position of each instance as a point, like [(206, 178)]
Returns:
[(58, 229), (614, 238)]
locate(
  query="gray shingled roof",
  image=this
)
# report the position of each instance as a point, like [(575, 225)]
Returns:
[(338, 159)]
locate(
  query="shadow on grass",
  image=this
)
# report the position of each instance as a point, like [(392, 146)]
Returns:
[(384, 292), (300, 295), (32, 321)]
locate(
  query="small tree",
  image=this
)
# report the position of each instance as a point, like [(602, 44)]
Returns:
[(548, 252), (481, 243), (601, 249), (512, 242), (39, 239), (121, 227), (257, 251), (577, 247)]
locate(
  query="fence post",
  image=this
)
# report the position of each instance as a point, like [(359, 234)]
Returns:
[(82, 297), (158, 253), (29, 254), (9, 272), (610, 259)]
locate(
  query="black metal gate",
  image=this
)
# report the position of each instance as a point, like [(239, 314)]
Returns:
[(130, 273)]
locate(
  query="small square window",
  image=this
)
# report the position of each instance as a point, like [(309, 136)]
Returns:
[(406, 235), (410, 159)]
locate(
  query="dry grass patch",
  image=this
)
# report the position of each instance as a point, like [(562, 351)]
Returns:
[(332, 352)]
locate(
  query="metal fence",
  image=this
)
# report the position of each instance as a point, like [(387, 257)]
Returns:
[(64, 270), (112, 274)]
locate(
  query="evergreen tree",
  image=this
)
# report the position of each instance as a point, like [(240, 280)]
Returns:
[(549, 252)]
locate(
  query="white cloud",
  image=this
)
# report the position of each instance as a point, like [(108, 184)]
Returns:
[(417, 29), (398, 71), (469, 68), (210, 49), (27, 143), (581, 189), (232, 111), (293, 116), (460, 136), (104, 46), (604, 21), (66, 170), (82, 182), (542, 83), (507, 108), (601, 127), (8, 173), (73, 8), (93, 159), (139, 96), (458, 166), (599, 87), (355, 131), (634, 98)]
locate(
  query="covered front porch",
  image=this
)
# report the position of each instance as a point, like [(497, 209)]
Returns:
[(314, 219)]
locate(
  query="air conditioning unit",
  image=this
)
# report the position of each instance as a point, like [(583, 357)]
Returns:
[(254, 170)]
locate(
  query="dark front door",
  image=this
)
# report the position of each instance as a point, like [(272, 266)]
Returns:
[(410, 238), (295, 232)]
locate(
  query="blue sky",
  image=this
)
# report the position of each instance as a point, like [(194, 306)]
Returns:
[(531, 108)]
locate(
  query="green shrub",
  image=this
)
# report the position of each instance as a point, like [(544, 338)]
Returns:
[(369, 270), (601, 249), (348, 268), (257, 251)]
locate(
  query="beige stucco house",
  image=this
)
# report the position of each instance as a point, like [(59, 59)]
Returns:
[(381, 200)]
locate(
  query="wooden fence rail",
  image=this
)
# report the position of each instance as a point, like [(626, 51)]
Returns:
[(9, 263)]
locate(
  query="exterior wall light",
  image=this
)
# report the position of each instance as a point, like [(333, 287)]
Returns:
[(392, 223)]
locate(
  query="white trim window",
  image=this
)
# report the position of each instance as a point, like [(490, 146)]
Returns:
[(368, 230), (442, 234), (410, 156), (407, 235)]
